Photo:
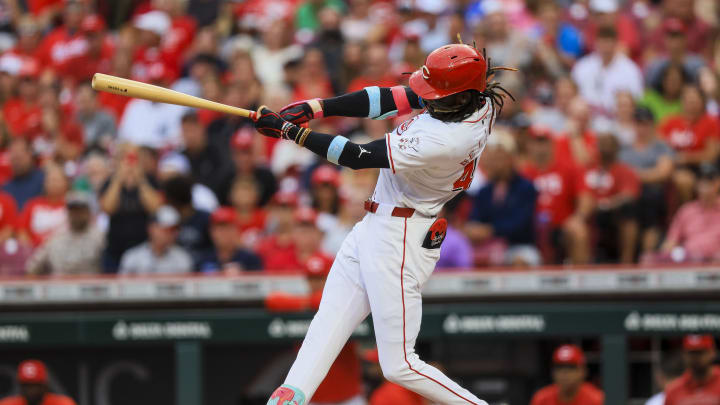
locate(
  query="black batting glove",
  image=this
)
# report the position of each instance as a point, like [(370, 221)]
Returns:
[(272, 125)]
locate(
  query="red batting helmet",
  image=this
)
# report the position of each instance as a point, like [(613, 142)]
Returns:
[(449, 70)]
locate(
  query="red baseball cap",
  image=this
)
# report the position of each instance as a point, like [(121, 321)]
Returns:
[(540, 132), (285, 198), (92, 23), (73, 133), (305, 215), (32, 372), (29, 69), (326, 175), (317, 266), (674, 25), (242, 139), (223, 215), (569, 355), (698, 342)]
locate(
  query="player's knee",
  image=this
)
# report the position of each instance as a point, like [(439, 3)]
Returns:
[(395, 371)]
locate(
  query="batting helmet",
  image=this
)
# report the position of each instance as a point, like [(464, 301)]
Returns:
[(449, 70)]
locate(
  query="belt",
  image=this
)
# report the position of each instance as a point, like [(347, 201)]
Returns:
[(372, 206)]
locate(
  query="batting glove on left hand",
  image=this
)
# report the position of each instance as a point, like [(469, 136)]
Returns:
[(302, 112), (271, 124)]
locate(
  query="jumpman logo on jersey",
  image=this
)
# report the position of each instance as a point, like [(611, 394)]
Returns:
[(362, 150)]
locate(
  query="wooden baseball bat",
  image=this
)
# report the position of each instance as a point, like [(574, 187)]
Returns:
[(132, 88)]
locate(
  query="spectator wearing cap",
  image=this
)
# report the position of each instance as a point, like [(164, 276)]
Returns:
[(695, 136), (180, 34), (45, 214), (569, 386), (27, 180), (128, 197), (325, 192), (652, 161), (277, 248), (577, 145), (671, 367), (695, 28), (504, 207), (98, 125), (99, 49), (74, 249), (562, 226), (69, 148), (245, 163), (307, 238), (663, 96), (226, 256), (32, 375), (694, 233), (601, 74), (194, 224), (160, 254), (209, 163), (174, 164), (700, 384), (614, 188), (250, 218)]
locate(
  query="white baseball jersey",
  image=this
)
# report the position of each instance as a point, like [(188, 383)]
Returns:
[(431, 161)]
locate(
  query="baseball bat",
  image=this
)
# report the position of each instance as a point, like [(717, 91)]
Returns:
[(132, 88)]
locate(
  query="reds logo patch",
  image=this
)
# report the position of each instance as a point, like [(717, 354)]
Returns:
[(436, 234), (405, 125)]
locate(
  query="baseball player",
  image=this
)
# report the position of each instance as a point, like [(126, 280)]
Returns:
[(384, 262)]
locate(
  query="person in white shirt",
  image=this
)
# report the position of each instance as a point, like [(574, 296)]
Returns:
[(605, 72), (159, 255)]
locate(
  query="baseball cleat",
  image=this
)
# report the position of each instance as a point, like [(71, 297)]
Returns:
[(287, 395)]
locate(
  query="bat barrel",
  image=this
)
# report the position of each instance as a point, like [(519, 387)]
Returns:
[(132, 88)]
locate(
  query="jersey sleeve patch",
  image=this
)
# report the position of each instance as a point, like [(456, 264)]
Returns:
[(411, 147)]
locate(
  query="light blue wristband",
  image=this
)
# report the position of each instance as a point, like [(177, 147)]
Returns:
[(335, 149), (374, 99)]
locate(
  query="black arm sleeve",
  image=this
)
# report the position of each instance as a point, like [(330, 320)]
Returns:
[(357, 104), (354, 156)]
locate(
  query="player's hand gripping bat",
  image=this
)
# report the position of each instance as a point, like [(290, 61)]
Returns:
[(132, 88)]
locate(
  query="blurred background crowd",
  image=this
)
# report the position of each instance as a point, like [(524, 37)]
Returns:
[(609, 155)]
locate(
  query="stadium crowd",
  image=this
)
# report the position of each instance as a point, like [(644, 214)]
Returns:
[(609, 155)]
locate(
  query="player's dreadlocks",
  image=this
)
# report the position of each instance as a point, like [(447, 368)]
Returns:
[(457, 107)]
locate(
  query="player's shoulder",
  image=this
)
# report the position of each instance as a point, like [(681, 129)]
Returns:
[(16, 400), (57, 399), (592, 394), (544, 395), (676, 385)]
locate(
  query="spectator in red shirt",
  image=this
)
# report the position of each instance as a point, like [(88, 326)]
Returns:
[(614, 188), (32, 376), (23, 114), (47, 213), (308, 237), (98, 53), (701, 382), (8, 216), (65, 42), (562, 228), (278, 249), (694, 233), (694, 135), (250, 217), (569, 385), (121, 66), (245, 160)]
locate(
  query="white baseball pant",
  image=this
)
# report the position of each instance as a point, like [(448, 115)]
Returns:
[(380, 268)]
